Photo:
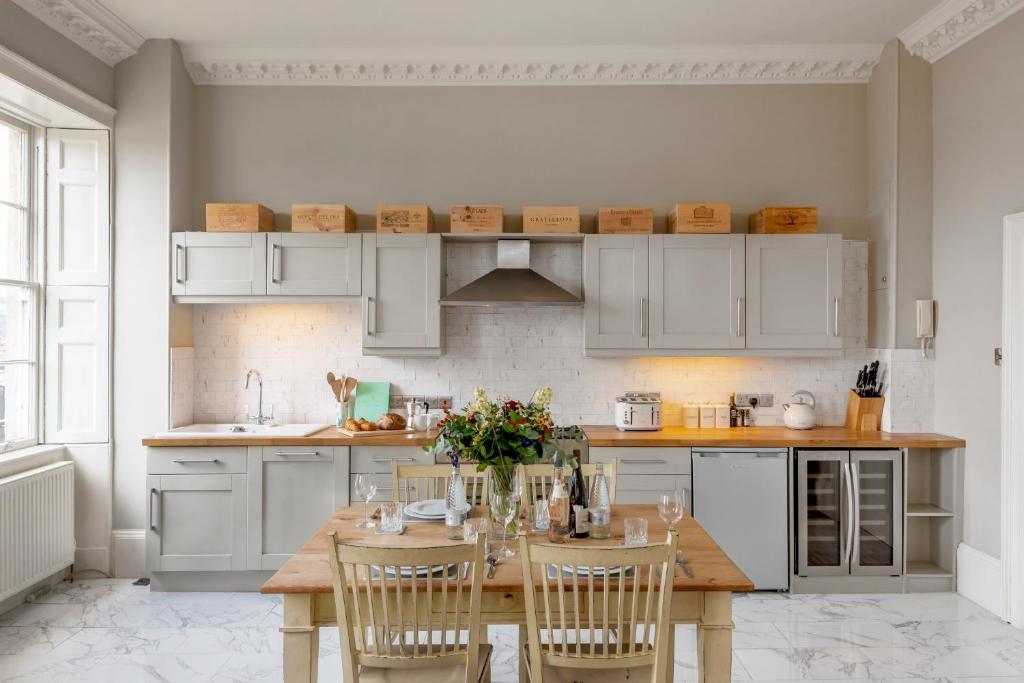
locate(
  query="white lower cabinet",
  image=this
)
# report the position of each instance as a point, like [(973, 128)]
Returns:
[(292, 491), (645, 472), (375, 462)]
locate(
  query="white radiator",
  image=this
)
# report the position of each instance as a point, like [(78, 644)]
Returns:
[(37, 525)]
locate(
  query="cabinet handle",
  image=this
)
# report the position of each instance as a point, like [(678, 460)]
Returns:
[(855, 551), (297, 453), (643, 461), (390, 459), (275, 264), (152, 527), (186, 461), (835, 325), (739, 316), (180, 262), (366, 308), (643, 316), (849, 516)]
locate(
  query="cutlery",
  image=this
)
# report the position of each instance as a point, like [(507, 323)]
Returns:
[(492, 564)]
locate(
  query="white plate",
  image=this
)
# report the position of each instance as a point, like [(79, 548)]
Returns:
[(427, 509), (421, 571), (423, 518), (582, 570)]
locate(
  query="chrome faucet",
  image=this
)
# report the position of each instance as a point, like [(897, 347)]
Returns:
[(259, 418)]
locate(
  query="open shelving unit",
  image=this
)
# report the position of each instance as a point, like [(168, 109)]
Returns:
[(933, 484)]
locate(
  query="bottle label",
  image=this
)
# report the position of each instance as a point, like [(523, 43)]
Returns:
[(582, 520)]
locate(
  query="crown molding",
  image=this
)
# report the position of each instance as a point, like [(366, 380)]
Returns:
[(90, 25), (533, 66), (953, 23)]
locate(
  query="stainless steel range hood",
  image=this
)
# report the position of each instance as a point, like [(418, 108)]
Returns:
[(512, 283)]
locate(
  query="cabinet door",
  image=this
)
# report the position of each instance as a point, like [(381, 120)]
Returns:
[(293, 490), (877, 518), (615, 291), (313, 264), (218, 263), (794, 285), (824, 510), (697, 291), (196, 522), (401, 291)]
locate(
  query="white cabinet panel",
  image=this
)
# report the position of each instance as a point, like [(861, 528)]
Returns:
[(794, 285), (645, 459), (697, 291), (218, 264), (77, 207), (615, 291), (401, 292), (77, 370), (292, 490), (314, 264), (196, 522)]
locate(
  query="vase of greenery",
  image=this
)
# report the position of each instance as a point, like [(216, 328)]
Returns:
[(501, 435)]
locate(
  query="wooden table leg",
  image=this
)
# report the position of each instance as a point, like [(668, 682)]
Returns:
[(714, 638), (301, 639)]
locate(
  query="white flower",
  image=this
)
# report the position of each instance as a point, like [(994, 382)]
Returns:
[(541, 398)]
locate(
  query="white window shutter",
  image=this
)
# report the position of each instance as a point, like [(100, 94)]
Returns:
[(77, 207), (77, 385)]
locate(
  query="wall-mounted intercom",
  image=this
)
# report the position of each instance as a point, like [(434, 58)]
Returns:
[(925, 323)]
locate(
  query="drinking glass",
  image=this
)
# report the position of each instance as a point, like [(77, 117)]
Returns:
[(670, 508), (541, 517), (391, 518), (366, 489), (504, 507), (471, 530), (636, 531)]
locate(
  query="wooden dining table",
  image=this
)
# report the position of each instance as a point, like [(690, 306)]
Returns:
[(704, 583)]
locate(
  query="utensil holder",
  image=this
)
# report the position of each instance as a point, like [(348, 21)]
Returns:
[(345, 410), (864, 414)]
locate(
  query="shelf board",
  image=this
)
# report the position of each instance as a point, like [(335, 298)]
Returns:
[(927, 569), (926, 510), (495, 236)]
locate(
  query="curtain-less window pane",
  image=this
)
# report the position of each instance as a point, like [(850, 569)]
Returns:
[(17, 323), (13, 243), (17, 398), (13, 142)]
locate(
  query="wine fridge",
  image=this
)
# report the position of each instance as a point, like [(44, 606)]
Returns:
[(849, 518)]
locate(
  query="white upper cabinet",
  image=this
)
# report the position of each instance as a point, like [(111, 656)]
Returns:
[(794, 290), (401, 294), (313, 264), (615, 290), (218, 263), (697, 292)]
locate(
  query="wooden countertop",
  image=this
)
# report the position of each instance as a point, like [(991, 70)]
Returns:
[(768, 437), (309, 572), (325, 437)]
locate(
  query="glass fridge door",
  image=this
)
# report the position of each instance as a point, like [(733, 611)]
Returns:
[(878, 491), (823, 512)]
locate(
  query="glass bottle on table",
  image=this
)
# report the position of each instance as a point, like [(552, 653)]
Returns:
[(579, 526), (600, 505), (456, 507), (558, 508)]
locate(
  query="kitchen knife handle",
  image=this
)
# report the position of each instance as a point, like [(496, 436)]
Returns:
[(835, 327), (739, 316), (850, 506), (180, 264)]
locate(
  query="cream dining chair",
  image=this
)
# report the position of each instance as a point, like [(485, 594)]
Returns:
[(412, 483), (396, 629), (538, 478), (588, 595)]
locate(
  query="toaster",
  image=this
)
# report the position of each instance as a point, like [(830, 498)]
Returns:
[(638, 411)]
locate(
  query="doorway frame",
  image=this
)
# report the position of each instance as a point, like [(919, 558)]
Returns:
[(1012, 431)]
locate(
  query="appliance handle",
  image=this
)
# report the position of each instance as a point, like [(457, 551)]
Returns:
[(850, 506), (152, 526), (855, 553)]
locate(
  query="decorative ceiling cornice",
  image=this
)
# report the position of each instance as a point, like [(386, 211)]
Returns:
[(89, 24), (535, 66), (953, 23)]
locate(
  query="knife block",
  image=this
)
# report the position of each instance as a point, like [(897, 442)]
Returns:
[(864, 414)]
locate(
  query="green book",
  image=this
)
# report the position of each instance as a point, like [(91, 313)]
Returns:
[(372, 400)]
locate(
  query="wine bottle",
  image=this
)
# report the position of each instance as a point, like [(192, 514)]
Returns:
[(579, 523)]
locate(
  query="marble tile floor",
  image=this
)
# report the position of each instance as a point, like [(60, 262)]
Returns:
[(108, 630)]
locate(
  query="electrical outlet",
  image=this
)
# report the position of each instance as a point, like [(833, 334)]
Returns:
[(763, 400)]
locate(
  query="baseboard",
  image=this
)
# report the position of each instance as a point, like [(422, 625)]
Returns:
[(94, 559), (979, 577), (129, 553)]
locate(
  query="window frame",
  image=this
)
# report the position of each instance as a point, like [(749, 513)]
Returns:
[(33, 188)]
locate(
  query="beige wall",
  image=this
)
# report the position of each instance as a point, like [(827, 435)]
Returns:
[(594, 146), (38, 43), (979, 178)]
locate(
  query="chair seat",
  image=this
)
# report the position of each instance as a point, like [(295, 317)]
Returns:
[(443, 673), (564, 674)]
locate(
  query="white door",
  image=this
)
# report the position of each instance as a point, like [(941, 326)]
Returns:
[(313, 264), (196, 522), (401, 292), (293, 490), (77, 371), (78, 207), (794, 290), (697, 291), (219, 263), (615, 290)]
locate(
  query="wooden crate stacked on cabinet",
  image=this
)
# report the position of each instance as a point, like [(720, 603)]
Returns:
[(323, 218), (551, 219), (404, 218), (234, 217), (625, 219), (477, 218), (784, 220), (700, 218)]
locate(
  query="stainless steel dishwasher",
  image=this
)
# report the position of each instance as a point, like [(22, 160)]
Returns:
[(741, 498)]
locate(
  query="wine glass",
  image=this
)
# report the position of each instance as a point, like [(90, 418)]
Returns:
[(670, 508), (365, 489), (504, 506)]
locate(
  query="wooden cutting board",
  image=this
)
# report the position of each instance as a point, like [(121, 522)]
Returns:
[(377, 432)]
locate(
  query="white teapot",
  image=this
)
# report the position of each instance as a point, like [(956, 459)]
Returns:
[(799, 415)]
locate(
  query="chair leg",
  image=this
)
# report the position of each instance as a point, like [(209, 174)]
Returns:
[(524, 674)]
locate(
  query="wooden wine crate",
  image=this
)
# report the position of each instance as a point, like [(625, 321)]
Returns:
[(546, 219), (404, 218), (700, 218), (625, 219), (864, 414), (323, 218), (477, 218), (783, 220), (239, 218)]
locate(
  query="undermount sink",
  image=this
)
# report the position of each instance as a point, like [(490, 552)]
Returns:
[(241, 430)]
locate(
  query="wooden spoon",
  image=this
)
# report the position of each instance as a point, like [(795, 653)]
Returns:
[(336, 385), (349, 387)]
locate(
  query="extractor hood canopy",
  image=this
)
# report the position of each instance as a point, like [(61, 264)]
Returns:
[(512, 283)]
